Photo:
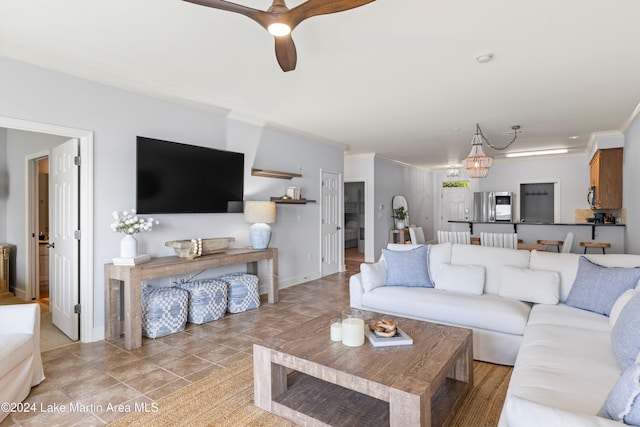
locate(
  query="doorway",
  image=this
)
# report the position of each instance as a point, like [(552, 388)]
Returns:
[(85, 215), (354, 215), (455, 205)]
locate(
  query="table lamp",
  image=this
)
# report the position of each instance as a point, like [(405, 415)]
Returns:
[(260, 214)]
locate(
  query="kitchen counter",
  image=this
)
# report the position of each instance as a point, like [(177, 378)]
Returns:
[(530, 232)]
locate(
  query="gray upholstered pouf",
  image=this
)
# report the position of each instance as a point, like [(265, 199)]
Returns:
[(207, 300), (243, 292), (164, 311)]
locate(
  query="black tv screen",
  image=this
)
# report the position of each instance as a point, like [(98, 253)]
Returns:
[(181, 178)]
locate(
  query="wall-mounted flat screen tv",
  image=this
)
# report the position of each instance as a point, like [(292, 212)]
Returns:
[(181, 178)]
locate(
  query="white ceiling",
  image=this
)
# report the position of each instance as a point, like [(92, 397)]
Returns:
[(398, 78)]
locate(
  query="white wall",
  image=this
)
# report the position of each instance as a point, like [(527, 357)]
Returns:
[(4, 185), (384, 179), (630, 189), (572, 172), (116, 117)]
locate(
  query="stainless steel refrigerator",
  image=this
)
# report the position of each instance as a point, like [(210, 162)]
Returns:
[(490, 206)]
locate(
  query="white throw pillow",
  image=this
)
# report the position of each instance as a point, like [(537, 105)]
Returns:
[(619, 305), (373, 275), (524, 284), (468, 279)]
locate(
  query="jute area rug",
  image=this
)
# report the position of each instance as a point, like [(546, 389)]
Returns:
[(226, 399)]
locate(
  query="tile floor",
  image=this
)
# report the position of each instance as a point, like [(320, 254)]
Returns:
[(86, 377)]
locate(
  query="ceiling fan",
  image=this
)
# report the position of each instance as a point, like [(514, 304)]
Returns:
[(280, 21)]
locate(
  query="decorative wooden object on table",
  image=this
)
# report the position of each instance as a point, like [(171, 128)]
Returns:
[(597, 245), (131, 277), (184, 248), (422, 384)]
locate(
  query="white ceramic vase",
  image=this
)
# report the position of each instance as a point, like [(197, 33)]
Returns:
[(128, 246), (401, 225)]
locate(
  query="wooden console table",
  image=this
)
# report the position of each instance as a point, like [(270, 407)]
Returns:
[(131, 277)]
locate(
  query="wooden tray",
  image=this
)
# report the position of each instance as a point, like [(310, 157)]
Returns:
[(213, 245)]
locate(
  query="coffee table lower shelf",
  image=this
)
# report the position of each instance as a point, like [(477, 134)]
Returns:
[(311, 401)]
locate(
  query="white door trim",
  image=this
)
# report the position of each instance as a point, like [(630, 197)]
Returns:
[(340, 206), (87, 332), (31, 208)]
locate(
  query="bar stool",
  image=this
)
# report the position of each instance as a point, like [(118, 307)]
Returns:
[(601, 245), (556, 243)]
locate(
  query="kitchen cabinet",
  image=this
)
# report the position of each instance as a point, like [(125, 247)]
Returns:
[(606, 176)]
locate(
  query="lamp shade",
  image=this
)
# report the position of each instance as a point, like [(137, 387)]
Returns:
[(260, 212)]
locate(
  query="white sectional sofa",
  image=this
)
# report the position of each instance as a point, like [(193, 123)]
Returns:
[(20, 362), (564, 362)]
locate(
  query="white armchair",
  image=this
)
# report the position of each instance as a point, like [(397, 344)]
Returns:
[(20, 361)]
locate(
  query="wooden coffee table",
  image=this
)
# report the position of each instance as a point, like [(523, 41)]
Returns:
[(331, 384)]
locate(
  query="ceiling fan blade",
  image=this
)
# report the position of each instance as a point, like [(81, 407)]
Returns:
[(320, 7), (286, 52), (261, 17)]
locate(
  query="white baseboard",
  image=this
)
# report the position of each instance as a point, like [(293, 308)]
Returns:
[(292, 281), (20, 293), (98, 334)]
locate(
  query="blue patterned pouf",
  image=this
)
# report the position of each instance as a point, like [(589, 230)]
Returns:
[(243, 292), (207, 300), (164, 311)]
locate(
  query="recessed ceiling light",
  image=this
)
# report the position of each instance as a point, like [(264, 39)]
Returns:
[(538, 153), (485, 58), (574, 137)]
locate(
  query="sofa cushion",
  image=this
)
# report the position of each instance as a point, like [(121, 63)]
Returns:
[(596, 288), (14, 348), (529, 285), (564, 315), (619, 305), (565, 264), (461, 278), (625, 335), (408, 268), (519, 412), (565, 367), (493, 259), (508, 316), (373, 275), (623, 402)]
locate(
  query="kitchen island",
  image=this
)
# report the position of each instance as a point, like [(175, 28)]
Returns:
[(530, 232)]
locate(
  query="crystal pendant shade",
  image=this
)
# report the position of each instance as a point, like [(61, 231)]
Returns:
[(477, 163)]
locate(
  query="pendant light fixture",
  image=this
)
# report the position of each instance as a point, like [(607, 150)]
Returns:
[(477, 162)]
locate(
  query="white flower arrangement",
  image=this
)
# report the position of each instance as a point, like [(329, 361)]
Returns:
[(128, 222)]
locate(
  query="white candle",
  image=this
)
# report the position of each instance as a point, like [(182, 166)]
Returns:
[(353, 332), (336, 331)]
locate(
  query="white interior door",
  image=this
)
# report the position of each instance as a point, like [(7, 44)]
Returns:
[(63, 242), (455, 206), (332, 241)]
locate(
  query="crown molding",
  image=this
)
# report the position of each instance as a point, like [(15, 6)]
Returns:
[(626, 125)]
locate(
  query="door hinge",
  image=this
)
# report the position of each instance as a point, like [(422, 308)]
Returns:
[(76, 309), (76, 234), (76, 160)]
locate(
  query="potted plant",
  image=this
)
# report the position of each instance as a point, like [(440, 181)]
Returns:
[(400, 214)]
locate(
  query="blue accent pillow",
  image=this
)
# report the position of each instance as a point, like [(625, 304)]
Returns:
[(408, 268), (623, 402), (596, 288), (625, 335)]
